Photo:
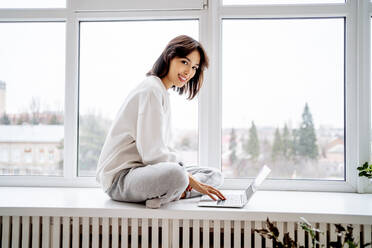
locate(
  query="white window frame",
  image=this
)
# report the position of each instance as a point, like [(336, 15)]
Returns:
[(357, 93), (357, 82)]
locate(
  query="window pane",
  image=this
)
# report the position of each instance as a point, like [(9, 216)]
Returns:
[(114, 58), (32, 4), (32, 71), (248, 2), (288, 75)]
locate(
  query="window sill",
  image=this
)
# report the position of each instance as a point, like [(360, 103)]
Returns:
[(277, 205)]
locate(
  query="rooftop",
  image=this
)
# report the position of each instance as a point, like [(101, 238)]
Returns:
[(30, 133)]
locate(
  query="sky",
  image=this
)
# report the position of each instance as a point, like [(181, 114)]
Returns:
[(270, 68)]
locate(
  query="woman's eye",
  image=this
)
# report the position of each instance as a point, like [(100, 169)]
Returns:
[(184, 61), (195, 68)]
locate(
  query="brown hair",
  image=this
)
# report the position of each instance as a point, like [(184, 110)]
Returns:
[(181, 46)]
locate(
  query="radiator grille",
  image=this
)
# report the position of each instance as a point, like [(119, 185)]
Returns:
[(37, 231)]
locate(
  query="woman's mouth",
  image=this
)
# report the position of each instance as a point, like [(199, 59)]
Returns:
[(182, 79)]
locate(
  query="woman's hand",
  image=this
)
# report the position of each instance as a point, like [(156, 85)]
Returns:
[(204, 189)]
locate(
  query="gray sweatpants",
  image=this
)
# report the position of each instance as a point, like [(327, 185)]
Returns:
[(162, 182)]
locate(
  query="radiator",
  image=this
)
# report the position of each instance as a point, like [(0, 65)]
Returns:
[(96, 232)]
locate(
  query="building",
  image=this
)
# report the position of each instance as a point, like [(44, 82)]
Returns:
[(31, 149), (2, 97)]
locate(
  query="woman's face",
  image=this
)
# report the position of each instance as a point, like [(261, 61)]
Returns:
[(181, 70)]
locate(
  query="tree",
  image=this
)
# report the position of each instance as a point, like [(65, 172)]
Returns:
[(293, 152), (35, 111), (22, 118), (286, 143), (232, 146), (53, 120), (307, 147), (92, 133), (4, 120), (277, 146), (253, 146), (186, 143)]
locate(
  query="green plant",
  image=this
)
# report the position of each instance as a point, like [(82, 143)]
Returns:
[(272, 232), (346, 236), (365, 170), (312, 231)]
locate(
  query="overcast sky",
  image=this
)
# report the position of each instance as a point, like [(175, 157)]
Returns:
[(270, 68)]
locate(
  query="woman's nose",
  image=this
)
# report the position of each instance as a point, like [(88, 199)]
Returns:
[(187, 71)]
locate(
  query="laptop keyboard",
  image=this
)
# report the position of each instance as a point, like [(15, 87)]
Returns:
[(230, 200)]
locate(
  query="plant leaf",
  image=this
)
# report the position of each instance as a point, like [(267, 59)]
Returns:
[(365, 165), (335, 244), (339, 228)]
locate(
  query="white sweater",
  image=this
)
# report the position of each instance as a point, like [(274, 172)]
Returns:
[(140, 135)]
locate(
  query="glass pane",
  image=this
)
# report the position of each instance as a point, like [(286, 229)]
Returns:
[(288, 75), (114, 58), (262, 2), (32, 79), (15, 4)]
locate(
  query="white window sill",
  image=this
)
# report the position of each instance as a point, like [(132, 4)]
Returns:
[(277, 205)]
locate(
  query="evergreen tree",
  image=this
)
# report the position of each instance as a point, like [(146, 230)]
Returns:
[(294, 145), (4, 120), (53, 120), (307, 147), (277, 146), (253, 145), (286, 142), (244, 142), (232, 146)]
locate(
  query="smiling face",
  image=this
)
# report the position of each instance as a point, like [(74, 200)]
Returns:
[(181, 70)]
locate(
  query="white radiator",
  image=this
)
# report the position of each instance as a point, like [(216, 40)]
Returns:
[(40, 231)]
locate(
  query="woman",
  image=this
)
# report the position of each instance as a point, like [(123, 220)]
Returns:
[(137, 163)]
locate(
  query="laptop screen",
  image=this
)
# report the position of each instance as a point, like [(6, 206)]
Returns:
[(261, 176)]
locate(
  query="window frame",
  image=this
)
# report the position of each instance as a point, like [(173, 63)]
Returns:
[(354, 85), (357, 83)]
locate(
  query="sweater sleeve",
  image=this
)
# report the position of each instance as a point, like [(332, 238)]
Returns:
[(151, 132)]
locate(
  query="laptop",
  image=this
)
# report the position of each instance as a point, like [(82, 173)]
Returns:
[(237, 200)]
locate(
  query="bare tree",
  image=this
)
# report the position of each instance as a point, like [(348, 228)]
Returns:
[(35, 110)]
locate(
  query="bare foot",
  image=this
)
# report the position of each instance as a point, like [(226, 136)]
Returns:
[(183, 196)]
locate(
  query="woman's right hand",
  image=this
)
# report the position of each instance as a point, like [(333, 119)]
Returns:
[(205, 189)]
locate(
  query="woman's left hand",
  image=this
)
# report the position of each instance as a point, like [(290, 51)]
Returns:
[(204, 189)]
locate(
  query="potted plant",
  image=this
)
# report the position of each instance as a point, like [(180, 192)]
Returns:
[(365, 178)]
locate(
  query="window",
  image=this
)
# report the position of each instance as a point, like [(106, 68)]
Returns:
[(32, 69), (289, 77), (16, 155), (271, 61), (28, 155), (51, 155), (42, 156), (4, 155), (114, 58)]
